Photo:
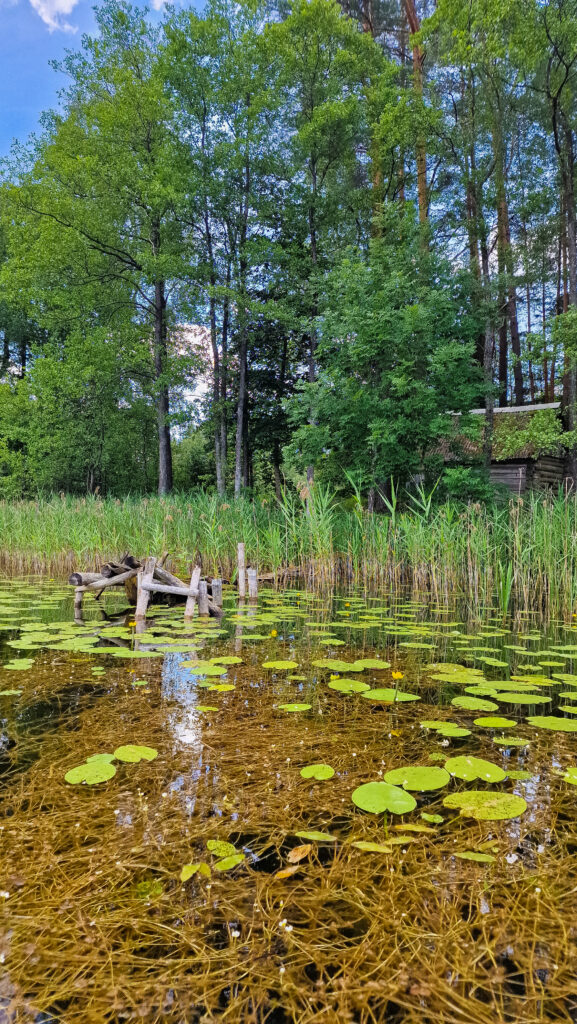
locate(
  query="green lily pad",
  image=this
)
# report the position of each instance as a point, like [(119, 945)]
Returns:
[(571, 776), (280, 665), (389, 696), (101, 757), (222, 687), (479, 858), (519, 774), (10, 693), (378, 797), (132, 753), (474, 704), (553, 723), (434, 819), (316, 837), (363, 844), (294, 707), (369, 663), (485, 805), (495, 722), (419, 778), (471, 768), (229, 862), (524, 698), (91, 773), (510, 741), (220, 848), (192, 869), (319, 772), (205, 707), (348, 685), (227, 659)]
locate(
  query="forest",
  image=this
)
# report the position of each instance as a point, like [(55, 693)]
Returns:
[(270, 244)]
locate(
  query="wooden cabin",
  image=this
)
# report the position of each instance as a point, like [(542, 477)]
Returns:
[(519, 467)]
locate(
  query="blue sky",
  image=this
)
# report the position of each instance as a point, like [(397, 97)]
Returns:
[(33, 32)]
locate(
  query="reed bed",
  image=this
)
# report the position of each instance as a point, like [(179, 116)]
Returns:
[(523, 551)]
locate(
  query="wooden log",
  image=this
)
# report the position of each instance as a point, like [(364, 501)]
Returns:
[(164, 588), (217, 593), (164, 576), (241, 571), (252, 584), (194, 581), (144, 595), (203, 608), (115, 581), (82, 579)]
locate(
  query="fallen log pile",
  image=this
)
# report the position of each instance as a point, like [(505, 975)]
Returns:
[(142, 579)]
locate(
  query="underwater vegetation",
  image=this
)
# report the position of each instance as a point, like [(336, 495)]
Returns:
[(345, 806)]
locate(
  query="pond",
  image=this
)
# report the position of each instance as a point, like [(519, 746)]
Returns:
[(335, 807)]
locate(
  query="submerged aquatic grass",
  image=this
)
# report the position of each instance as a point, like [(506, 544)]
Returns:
[(524, 551), (357, 860)]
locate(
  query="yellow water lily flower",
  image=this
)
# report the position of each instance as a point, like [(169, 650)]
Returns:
[(398, 675)]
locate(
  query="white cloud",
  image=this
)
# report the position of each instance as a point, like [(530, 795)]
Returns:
[(53, 12), (157, 5)]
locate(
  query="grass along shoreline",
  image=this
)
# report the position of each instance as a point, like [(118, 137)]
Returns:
[(524, 551)]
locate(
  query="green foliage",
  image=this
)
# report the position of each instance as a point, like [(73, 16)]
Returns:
[(395, 356)]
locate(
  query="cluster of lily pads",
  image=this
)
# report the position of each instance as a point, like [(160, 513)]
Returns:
[(99, 767)]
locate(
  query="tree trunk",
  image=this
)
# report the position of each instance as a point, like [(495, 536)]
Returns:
[(162, 394), (421, 151)]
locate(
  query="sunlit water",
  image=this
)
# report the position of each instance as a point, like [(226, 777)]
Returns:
[(98, 924)]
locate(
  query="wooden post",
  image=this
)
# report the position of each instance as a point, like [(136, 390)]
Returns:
[(190, 601), (202, 597), (217, 593), (241, 571), (252, 584), (78, 599), (144, 595)]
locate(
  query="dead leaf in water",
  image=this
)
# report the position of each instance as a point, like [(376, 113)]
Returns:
[(299, 853)]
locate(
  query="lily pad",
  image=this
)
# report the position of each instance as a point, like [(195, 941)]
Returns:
[(471, 768), (192, 869), (348, 685), (10, 693), (220, 848), (474, 704), (280, 665), (510, 741), (205, 707), (389, 696), (229, 862), (318, 772), (132, 753), (553, 723), (362, 844), (294, 707), (419, 778), (519, 774), (484, 805), (378, 797), (316, 837), (91, 773), (479, 858), (524, 698), (495, 722), (227, 659), (434, 819), (571, 776)]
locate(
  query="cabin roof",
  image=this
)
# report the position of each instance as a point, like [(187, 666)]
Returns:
[(508, 420)]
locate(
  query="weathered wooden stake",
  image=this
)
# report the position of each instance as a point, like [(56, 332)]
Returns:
[(78, 599), (144, 595), (252, 584), (202, 597), (191, 601), (241, 571), (217, 593)]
